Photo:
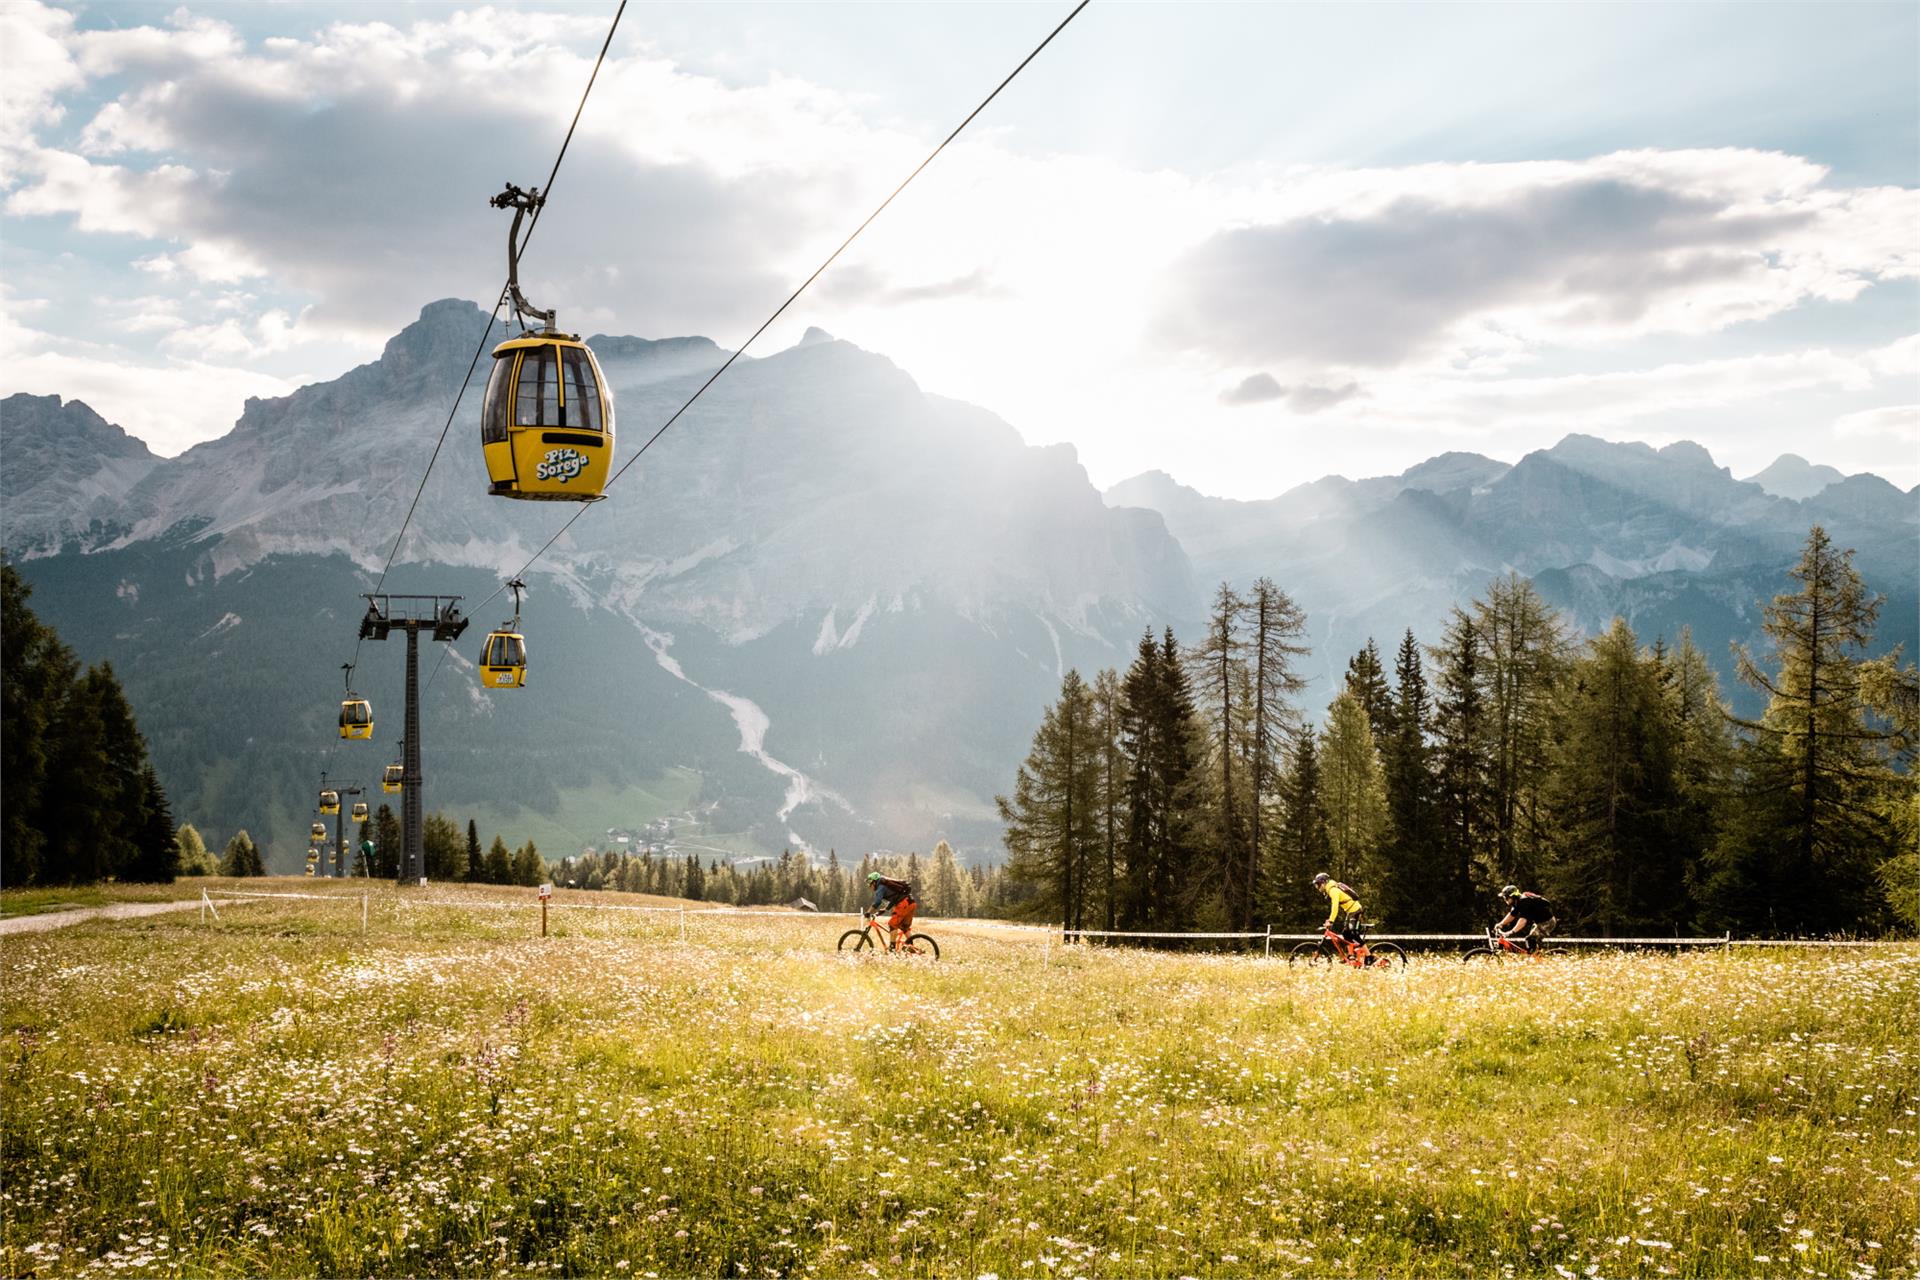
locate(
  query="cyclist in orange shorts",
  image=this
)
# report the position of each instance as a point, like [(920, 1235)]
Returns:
[(898, 895)]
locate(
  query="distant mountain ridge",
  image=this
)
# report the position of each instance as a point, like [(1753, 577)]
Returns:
[(836, 603), (838, 598), (1664, 537)]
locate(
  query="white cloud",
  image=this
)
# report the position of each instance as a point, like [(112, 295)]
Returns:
[(1898, 421), (341, 177), (171, 405)]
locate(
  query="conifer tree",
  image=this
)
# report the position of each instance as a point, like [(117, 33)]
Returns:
[(1052, 821), (1218, 673), (1367, 681), (475, 859), (1461, 790), (156, 858), (1420, 891), (1614, 790), (497, 866), (387, 839), (190, 853), (242, 857), (36, 673), (529, 869), (1525, 649), (1802, 846), (1163, 741), (1302, 849), (1111, 798), (1351, 795), (1278, 629), (442, 848)]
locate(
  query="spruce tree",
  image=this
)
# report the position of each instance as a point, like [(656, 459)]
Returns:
[(475, 858), (1420, 891), (529, 869), (37, 672), (241, 857), (387, 841), (156, 857), (1614, 792), (1302, 848), (1111, 797), (497, 866), (1053, 832), (1461, 790), (442, 848), (1367, 681)]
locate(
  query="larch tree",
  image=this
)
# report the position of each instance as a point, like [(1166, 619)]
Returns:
[(1804, 843), (1351, 792), (1525, 646), (1278, 629)]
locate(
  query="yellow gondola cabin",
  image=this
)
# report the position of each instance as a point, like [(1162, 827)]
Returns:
[(359, 810), (329, 802), (356, 718), (503, 661), (319, 831), (390, 780), (546, 424)]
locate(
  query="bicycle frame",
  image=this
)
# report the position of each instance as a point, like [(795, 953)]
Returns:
[(1501, 944), (883, 937), (1353, 953)]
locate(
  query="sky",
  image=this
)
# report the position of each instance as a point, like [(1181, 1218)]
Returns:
[(1248, 245)]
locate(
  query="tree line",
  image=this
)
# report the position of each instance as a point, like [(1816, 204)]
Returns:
[(1189, 792), (82, 800), (943, 886)]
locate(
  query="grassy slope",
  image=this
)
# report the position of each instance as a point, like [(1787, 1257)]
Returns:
[(280, 1094)]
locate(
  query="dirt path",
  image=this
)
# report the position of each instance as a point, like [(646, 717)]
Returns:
[(113, 911)]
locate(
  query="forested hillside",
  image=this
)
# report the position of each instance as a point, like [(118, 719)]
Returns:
[(1607, 771)]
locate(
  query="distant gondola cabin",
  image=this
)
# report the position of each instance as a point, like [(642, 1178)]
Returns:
[(546, 424), (356, 719), (503, 660), (329, 802), (319, 831), (390, 780), (359, 810)]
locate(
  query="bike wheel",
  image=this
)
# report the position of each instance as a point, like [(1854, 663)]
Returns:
[(1484, 954), (1385, 955), (855, 940), (927, 946), (1311, 953)]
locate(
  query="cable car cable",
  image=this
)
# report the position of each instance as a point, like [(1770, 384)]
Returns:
[(791, 299), (487, 332)]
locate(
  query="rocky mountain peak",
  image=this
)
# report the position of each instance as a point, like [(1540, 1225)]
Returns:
[(1792, 476)]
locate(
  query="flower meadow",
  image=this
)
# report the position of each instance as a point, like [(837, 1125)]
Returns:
[(279, 1093)]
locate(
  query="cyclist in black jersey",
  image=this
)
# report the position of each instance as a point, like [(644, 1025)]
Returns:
[(1529, 916)]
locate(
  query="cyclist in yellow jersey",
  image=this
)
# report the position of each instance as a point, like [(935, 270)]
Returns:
[(1343, 909)]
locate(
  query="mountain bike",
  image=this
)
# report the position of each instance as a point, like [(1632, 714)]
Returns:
[(873, 935), (1332, 948), (1501, 947)]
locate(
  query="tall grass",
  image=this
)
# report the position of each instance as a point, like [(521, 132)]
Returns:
[(280, 1094)]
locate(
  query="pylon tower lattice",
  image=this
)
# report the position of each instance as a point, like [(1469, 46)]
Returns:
[(443, 621)]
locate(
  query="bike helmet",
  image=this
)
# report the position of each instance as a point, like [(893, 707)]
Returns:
[(873, 877), (1511, 891), (1321, 879)]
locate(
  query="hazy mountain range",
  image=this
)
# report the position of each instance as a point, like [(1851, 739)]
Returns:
[(828, 607)]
